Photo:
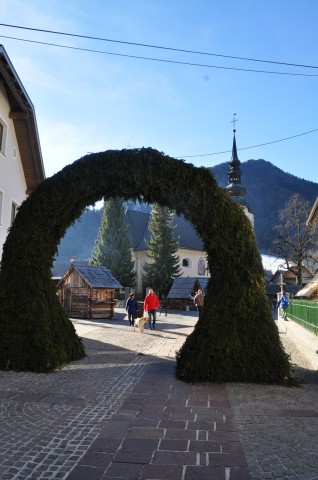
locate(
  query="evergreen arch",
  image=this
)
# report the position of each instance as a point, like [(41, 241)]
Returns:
[(235, 340)]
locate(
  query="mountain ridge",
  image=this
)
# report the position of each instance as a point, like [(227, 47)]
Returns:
[(268, 188)]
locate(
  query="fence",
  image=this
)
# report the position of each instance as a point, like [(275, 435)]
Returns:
[(304, 312)]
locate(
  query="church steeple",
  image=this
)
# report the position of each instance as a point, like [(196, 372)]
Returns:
[(234, 187)]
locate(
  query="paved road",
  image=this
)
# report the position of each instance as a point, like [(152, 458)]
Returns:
[(120, 414)]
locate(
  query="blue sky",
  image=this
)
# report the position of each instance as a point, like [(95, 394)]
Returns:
[(91, 102)]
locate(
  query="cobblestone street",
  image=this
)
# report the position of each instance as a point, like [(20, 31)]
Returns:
[(120, 413)]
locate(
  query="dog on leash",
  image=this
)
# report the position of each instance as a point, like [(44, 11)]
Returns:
[(140, 323)]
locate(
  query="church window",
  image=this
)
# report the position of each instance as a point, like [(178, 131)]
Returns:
[(186, 262), (201, 266)]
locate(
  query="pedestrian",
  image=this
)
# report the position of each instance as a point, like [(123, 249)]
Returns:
[(199, 301), (151, 304), (284, 302), (131, 308)]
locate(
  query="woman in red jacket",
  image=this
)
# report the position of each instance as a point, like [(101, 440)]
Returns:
[(151, 304)]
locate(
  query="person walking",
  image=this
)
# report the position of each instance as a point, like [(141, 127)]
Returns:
[(151, 303), (284, 302), (199, 301), (131, 309)]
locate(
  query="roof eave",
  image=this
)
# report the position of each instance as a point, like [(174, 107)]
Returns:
[(313, 215), (23, 115)]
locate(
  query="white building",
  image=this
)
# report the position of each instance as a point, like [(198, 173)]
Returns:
[(193, 261), (21, 165)]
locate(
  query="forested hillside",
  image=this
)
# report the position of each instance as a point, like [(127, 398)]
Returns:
[(268, 189), (80, 238)]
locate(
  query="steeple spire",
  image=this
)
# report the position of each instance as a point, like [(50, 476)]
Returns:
[(234, 187)]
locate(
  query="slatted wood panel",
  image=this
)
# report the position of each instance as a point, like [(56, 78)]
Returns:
[(83, 302), (102, 303), (79, 305)]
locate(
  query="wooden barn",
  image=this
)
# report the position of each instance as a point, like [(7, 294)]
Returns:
[(183, 290), (87, 291)]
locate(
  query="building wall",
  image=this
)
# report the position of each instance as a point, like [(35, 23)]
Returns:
[(195, 259), (12, 181)]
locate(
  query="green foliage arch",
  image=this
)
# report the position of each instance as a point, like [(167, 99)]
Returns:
[(236, 338)]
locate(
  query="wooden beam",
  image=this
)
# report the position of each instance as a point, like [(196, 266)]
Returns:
[(19, 115)]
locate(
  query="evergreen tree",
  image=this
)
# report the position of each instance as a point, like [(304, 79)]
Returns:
[(112, 247), (162, 248)]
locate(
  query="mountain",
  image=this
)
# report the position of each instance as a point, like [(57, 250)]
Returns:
[(268, 189), (79, 239)]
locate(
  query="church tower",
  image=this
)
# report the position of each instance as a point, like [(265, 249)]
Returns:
[(234, 188)]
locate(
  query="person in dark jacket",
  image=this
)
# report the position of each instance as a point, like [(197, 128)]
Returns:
[(131, 309), (283, 302)]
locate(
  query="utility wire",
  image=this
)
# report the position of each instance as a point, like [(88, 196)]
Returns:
[(162, 60), (253, 146), (181, 50)]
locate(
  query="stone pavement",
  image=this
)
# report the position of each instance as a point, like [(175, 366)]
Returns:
[(120, 413)]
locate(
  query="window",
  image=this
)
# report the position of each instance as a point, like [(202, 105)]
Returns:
[(1, 201), (14, 209), (201, 266), (3, 136), (186, 262)]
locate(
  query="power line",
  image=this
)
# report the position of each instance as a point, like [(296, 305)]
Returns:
[(253, 146), (177, 62), (181, 50)]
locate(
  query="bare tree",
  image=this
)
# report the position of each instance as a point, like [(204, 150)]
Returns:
[(294, 240)]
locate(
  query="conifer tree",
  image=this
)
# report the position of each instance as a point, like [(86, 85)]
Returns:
[(162, 249), (112, 247)]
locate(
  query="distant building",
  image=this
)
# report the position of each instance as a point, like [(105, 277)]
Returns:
[(289, 276), (21, 165), (193, 261)]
